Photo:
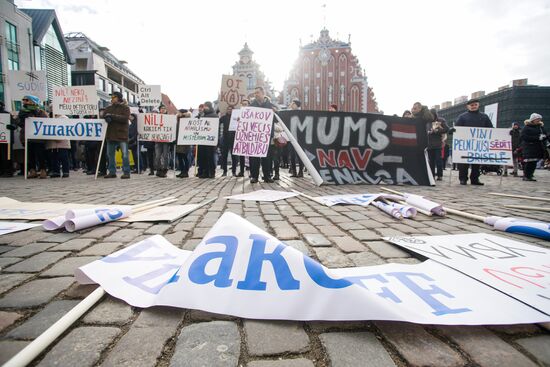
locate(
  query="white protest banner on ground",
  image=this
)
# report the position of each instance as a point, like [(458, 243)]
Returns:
[(149, 95), (9, 227), (198, 131), (421, 202), (232, 92), (515, 268), (263, 195), (253, 133), (156, 127), (235, 115), (225, 274), (352, 199), (5, 136), (22, 83), (81, 100), (479, 145), (65, 129)]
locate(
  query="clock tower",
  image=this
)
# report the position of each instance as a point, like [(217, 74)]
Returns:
[(247, 69)]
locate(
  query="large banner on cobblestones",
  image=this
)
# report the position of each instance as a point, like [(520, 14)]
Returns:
[(362, 148), (241, 270)]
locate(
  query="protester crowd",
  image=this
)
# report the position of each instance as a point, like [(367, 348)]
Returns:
[(51, 158)]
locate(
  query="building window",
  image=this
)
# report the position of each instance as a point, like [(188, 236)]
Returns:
[(306, 96), (51, 39), (250, 81), (318, 94), (81, 64), (12, 46), (330, 90), (109, 88), (38, 57), (342, 94), (101, 85), (127, 96)]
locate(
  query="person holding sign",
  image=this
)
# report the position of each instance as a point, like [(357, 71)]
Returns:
[(6, 165), (206, 153), (534, 141), (162, 151), (472, 118), (261, 100), (117, 115)]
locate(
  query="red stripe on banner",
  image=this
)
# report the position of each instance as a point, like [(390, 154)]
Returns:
[(404, 142), (404, 128)]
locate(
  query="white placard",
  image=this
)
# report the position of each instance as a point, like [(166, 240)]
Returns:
[(350, 199), (9, 227), (253, 134), (198, 131), (65, 129), (492, 111), (5, 136), (481, 145), (156, 127), (240, 270), (23, 83), (80, 100), (235, 115), (149, 95), (515, 268), (263, 195)]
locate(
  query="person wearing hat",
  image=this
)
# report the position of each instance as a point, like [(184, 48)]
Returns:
[(206, 154), (162, 151), (36, 150), (515, 134), (534, 142), (117, 116), (472, 118), (295, 105), (262, 101)]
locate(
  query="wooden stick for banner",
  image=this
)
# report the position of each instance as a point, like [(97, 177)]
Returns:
[(196, 158), (309, 197), (153, 205), (26, 154), (152, 202), (392, 191), (9, 151), (138, 157), (301, 154), (99, 158), (519, 196), (38, 345), (526, 207)]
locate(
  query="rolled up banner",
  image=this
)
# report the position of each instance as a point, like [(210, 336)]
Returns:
[(73, 213), (54, 223), (405, 210), (99, 216), (425, 204), (387, 208), (521, 226)]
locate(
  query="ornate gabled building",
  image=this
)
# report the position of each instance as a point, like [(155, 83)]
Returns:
[(249, 70), (326, 73)]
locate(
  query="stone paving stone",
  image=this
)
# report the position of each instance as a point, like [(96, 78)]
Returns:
[(348, 244), (110, 311), (8, 281), (273, 217), (69, 265), (7, 261), (306, 228), (28, 250), (9, 348), (61, 237), (484, 347), (297, 220), (515, 329), (155, 325), (101, 249), (325, 326), (298, 362), (99, 232), (79, 291), (76, 244), (124, 235), (389, 232), (356, 215), (7, 319), (538, 346), (37, 324), (24, 238), (355, 349), (81, 347), (366, 258), (183, 226), (191, 244), (140, 225), (285, 232), (35, 292), (211, 344), (403, 260), (418, 347), (331, 231), (320, 221), (37, 262), (405, 227), (284, 337), (386, 249), (158, 229), (5, 248), (351, 226), (198, 315), (332, 258), (298, 245), (434, 232), (364, 235), (317, 240), (370, 224)]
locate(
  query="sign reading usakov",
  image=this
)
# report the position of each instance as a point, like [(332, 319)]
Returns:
[(362, 148), (65, 129)]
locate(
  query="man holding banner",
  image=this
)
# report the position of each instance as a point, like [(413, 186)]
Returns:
[(117, 115), (472, 118), (261, 100)]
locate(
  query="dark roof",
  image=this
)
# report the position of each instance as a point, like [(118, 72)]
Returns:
[(41, 21)]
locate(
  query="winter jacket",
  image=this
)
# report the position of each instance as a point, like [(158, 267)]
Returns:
[(424, 114), (117, 129), (533, 147), (516, 138), (473, 119), (436, 132)]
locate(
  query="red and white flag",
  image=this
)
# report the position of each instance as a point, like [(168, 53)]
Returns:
[(402, 134)]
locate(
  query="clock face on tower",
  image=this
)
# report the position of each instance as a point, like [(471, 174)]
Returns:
[(245, 59)]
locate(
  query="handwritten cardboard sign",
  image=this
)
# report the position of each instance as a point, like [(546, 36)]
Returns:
[(253, 134), (481, 145), (5, 136), (149, 95), (232, 92), (22, 83), (79, 100), (156, 127), (198, 131)]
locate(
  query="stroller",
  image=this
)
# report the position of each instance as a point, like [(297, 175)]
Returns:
[(484, 169)]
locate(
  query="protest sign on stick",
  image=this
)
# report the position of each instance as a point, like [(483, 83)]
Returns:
[(160, 128), (198, 131), (81, 100), (22, 83), (232, 92), (478, 145), (253, 134), (149, 95)]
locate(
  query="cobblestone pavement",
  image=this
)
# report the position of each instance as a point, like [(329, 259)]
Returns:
[(37, 286)]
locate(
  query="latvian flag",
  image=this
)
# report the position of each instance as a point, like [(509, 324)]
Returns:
[(404, 135)]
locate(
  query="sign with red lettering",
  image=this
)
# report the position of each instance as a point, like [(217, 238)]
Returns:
[(515, 268), (156, 127), (198, 131), (482, 145), (253, 133), (232, 92), (80, 100)]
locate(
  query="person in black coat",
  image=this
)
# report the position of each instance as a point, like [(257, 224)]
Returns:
[(472, 118), (260, 100), (534, 141), (515, 135), (206, 154)]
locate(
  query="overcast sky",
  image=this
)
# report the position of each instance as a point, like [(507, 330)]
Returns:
[(430, 51)]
